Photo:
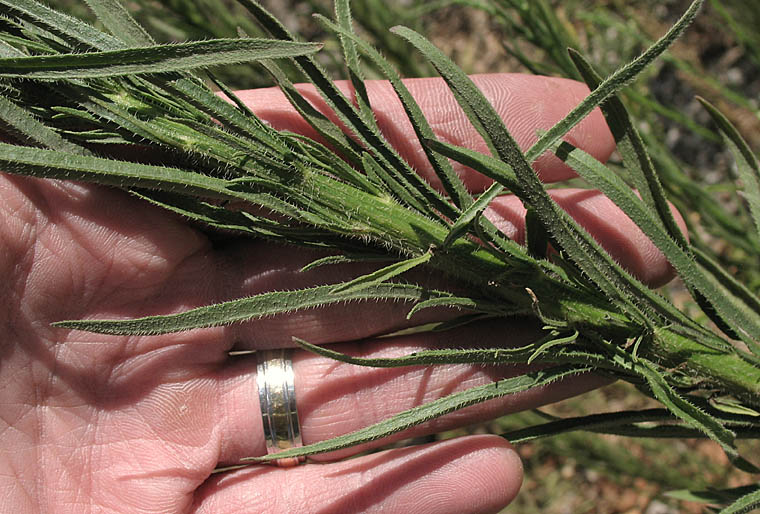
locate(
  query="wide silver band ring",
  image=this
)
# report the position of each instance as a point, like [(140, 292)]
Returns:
[(277, 398)]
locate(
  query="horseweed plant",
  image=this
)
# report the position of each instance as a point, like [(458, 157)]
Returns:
[(360, 198)]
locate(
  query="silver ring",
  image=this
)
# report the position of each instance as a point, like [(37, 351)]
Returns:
[(277, 398)]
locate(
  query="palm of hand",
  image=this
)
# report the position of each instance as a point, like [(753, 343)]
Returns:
[(137, 424), (99, 423)]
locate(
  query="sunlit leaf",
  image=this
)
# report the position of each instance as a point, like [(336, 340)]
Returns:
[(154, 59)]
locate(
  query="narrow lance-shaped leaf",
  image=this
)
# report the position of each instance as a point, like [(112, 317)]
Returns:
[(345, 259), (241, 120), (237, 221), (382, 275), (371, 138), (76, 32), (343, 16), (490, 166), (461, 302), (154, 59), (628, 292), (23, 123), (746, 163), (733, 312), (432, 410), (490, 356), (502, 174), (471, 214), (745, 504), (245, 309), (633, 151), (115, 18), (673, 431), (451, 182), (536, 236), (52, 164), (730, 282), (692, 415), (11, 50), (713, 496), (736, 313), (593, 422), (636, 160), (346, 146), (713, 217), (592, 259), (555, 340), (390, 184), (620, 78)]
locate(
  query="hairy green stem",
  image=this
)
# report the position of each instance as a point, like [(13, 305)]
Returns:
[(702, 353)]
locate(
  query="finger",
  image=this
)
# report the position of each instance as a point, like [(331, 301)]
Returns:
[(606, 223), (476, 474), (526, 103), (335, 398)]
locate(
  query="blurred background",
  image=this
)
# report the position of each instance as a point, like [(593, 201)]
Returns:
[(718, 58)]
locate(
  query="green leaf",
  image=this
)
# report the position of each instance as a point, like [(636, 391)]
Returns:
[(21, 122), (673, 431), (118, 21), (432, 410), (245, 309), (490, 166), (619, 79), (633, 151), (351, 56), (461, 302), (372, 140), (592, 422), (554, 341), (732, 405), (504, 173), (237, 221), (628, 293), (734, 319), (490, 356), (154, 59), (713, 496), (692, 415), (746, 163), (536, 236), (470, 214), (725, 279), (76, 32), (746, 503), (740, 316), (10, 46), (321, 123), (345, 259), (450, 180), (400, 191), (382, 275), (240, 120), (53, 164)]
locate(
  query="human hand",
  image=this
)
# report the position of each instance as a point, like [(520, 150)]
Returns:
[(94, 423)]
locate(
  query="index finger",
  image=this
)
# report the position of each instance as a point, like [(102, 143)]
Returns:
[(526, 103)]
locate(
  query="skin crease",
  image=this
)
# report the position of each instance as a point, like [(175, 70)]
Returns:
[(92, 423)]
